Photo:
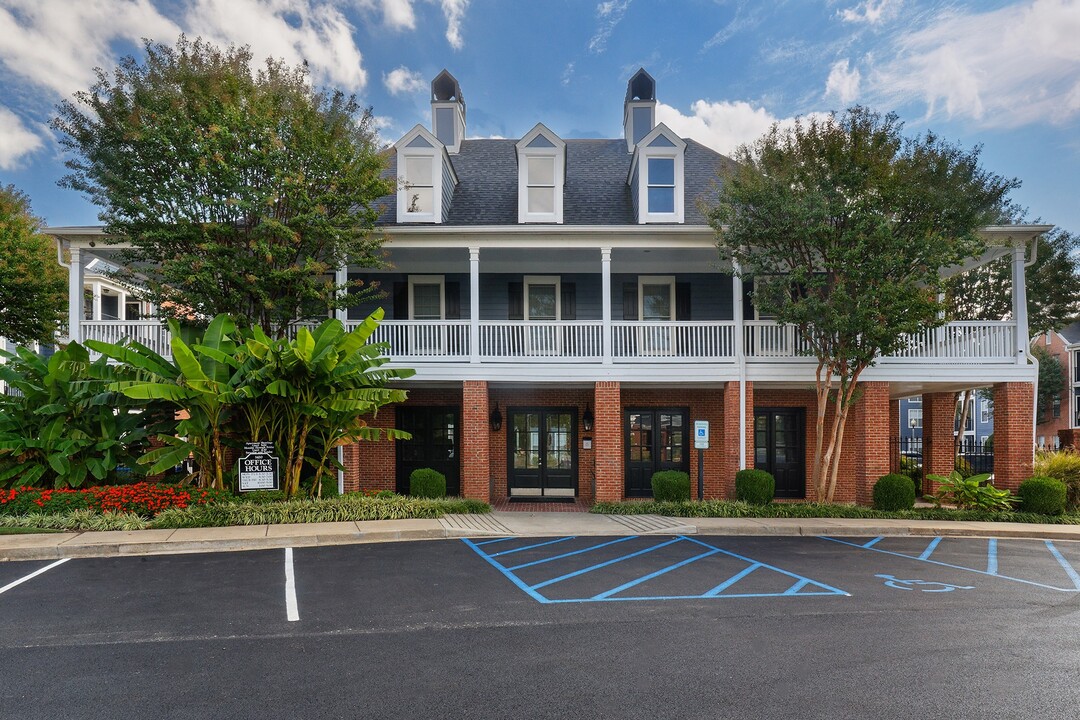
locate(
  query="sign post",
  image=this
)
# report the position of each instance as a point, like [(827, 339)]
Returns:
[(701, 442), (258, 468)]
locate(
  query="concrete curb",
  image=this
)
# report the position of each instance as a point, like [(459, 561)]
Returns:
[(269, 537)]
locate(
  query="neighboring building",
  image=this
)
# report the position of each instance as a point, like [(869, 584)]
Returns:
[(1056, 425), (569, 319)]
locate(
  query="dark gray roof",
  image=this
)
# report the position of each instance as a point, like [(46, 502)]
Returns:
[(596, 191), (1071, 333)]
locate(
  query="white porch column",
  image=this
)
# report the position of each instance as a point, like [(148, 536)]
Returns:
[(95, 313), (740, 353), (1019, 298), (75, 295), (474, 304), (605, 302), (341, 276)]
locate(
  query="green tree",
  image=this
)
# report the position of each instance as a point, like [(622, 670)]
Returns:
[(1051, 381), (33, 287), (241, 191), (1052, 281), (844, 225)]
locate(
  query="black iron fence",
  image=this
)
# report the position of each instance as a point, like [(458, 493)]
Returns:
[(971, 458)]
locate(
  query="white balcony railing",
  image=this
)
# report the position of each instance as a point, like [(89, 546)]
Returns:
[(150, 333), (426, 341), (672, 341), (521, 341)]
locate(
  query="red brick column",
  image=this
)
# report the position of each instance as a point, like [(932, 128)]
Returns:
[(1013, 424), (872, 425), (894, 434), (607, 441), (939, 419), (475, 441), (728, 437), (351, 460)]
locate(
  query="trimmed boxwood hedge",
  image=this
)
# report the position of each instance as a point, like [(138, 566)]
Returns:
[(753, 486), (427, 483), (894, 492), (670, 486), (1042, 495)]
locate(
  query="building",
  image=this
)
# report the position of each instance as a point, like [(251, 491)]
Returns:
[(1056, 425), (569, 320)]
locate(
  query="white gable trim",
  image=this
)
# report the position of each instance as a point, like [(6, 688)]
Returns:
[(638, 177), (437, 155), (557, 151)]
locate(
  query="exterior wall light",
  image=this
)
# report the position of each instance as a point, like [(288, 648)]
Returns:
[(587, 419), (495, 419)]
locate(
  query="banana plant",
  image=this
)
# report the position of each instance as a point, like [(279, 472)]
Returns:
[(317, 387), (64, 426), (201, 380)]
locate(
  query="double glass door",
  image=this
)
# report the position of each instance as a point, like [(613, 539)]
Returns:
[(780, 448), (655, 439), (541, 452)]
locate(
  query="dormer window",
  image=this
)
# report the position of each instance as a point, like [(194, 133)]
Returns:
[(423, 170), (541, 176), (656, 177)]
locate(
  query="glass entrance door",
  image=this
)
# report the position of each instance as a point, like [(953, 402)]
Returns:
[(655, 439), (435, 436), (542, 452), (780, 448)]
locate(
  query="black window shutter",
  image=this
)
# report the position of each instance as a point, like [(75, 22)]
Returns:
[(629, 301), (569, 301), (515, 301), (682, 301), (453, 300), (401, 301)]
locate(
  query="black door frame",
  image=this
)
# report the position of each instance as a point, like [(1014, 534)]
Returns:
[(684, 466), (800, 432), (543, 410), (401, 479)]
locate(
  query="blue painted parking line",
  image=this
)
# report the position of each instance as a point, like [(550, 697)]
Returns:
[(991, 561), (801, 586), (488, 542)]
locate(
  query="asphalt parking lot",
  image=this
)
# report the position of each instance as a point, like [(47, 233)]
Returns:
[(585, 627)]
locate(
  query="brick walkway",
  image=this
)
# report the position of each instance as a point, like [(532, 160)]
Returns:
[(504, 505)]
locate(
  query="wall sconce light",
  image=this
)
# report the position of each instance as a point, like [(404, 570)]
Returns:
[(912, 423), (495, 418), (587, 419)]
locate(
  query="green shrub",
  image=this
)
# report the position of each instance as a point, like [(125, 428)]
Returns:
[(1042, 495), (912, 469), (894, 492), (971, 493), (1063, 465), (427, 483), (260, 497), (756, 487), (670, 486)]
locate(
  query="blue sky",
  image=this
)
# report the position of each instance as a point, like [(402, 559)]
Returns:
[(1003, 74)]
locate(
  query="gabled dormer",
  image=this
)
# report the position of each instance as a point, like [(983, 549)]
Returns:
[(656, 177), (639, 108), (425, 178), (447, 111), (541, 157)]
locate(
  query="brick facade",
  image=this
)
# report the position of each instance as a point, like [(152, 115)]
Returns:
[(475, 441), (608, 456), (939, 424), (871, 421), (894, 432), (728, 437), (1013, 423)]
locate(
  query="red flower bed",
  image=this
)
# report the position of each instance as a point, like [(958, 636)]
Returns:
[(144, 499)]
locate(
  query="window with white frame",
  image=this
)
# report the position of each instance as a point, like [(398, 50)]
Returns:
[(914, 418), (420, 170), (541, 176), (657, 173), (427, 297), (1056, 406), (984, 411)]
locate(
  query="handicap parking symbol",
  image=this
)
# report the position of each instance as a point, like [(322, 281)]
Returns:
[(924, 585)]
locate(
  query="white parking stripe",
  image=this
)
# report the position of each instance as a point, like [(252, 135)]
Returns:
[(290, 588), (32, 575)]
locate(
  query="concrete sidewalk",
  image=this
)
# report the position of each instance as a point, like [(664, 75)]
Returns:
[(52, 546)]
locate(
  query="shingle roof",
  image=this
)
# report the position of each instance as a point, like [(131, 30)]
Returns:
[(1071, 333), (596, 191)]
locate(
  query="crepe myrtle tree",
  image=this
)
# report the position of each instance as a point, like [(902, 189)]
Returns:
[(239, 190), (843, 224)]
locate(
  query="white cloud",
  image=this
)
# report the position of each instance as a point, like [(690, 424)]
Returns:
[(723, 125), (843, 82), (740, 22), (295, 30), (403, 80), (57, 45), (871, 12), (397, 14), (454, 10), (1004, 68), (568, 73), (16, 140), (610, 13)]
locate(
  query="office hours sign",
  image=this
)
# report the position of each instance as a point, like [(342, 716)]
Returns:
[(258, 467)]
